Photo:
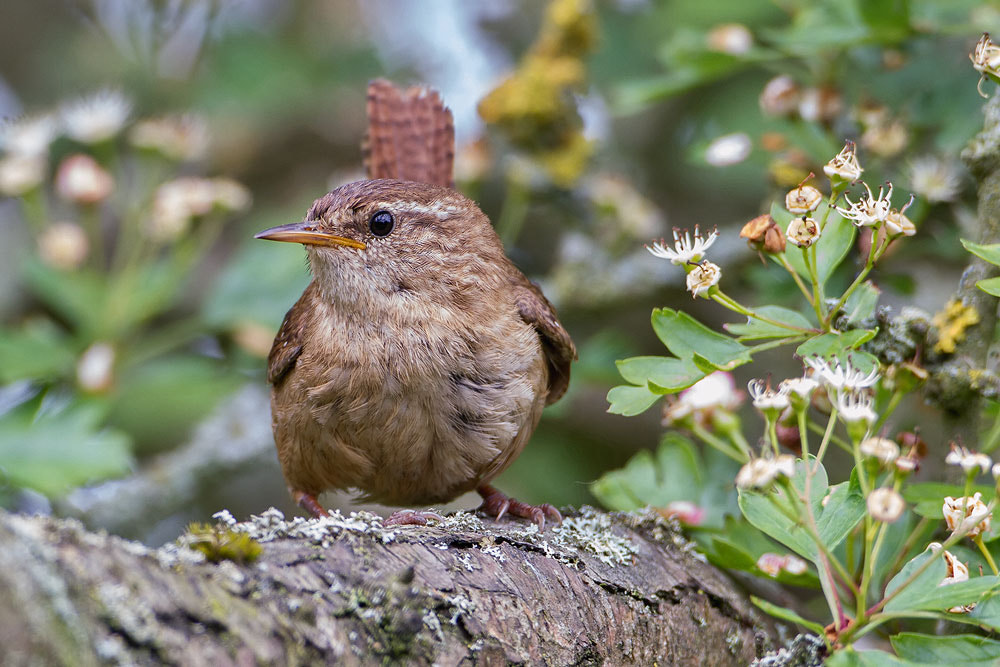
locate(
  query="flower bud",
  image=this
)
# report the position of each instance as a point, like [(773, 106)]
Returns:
[(732, 38), (63, 246), (19, 174), (94, 370), (803, 199), (729, 149), (803, 231), (81, 180)]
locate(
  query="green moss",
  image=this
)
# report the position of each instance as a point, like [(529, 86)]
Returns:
[(219, 543)]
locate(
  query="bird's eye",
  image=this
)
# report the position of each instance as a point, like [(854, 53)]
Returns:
[(382, 223)]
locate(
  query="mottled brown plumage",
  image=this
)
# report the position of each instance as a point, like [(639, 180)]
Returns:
[(416, 364)]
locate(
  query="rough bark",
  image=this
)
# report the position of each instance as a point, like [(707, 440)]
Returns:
[(601, 589)]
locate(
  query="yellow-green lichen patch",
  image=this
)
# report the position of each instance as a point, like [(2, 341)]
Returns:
[(951, 323), (219, 543)]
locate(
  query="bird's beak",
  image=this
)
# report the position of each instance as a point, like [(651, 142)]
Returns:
[(306, 233)]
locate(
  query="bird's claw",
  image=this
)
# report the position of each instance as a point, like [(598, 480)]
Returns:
[(411, 518), (497, 504), (308, 502)]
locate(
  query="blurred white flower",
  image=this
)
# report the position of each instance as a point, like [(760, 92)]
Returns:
[(703, 277), (968, 460), (729, 149), (97, 117), (820, 104), (967, 513), (798, 388), (935, 179), (176, 202), (685, 249), (29, 136), (886, 138), (81, 180), (63, 245), (94, 370), (772, 564), (732, 38), (716, 390), (885, 505), (868, 210), (764, 397), (760, 473), (183, 137), (856, 406), (20, 174), (842, 375), (883, 449), (684, 511), (780, 96)]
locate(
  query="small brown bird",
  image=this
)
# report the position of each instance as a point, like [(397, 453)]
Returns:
[(416, 364)]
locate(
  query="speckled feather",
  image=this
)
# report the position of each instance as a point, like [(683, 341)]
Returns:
[(415, 369)]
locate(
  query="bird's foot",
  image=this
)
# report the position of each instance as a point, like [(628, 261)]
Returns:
[(496, 503), (308, 502), (411, 518)]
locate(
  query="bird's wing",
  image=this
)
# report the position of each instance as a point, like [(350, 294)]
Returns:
[(558, 347), (291, 338), (411, 135)]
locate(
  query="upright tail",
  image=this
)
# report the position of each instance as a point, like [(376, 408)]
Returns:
[(411, 135)]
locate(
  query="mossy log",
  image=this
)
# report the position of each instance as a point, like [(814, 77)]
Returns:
[(600, 589)]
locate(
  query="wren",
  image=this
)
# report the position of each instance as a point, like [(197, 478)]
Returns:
[(416, 364)]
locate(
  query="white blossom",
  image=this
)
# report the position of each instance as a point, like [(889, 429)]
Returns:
[(728, 149), (967, 513), (63, 245), (760, 473), (935, 179), (968, 460), (686, 249), (883, 449), (855, 406), (844, 166), (885, 505), (766, 398), (868, 210), (29, 136), (842, 375), (703, 277), (97, 117)]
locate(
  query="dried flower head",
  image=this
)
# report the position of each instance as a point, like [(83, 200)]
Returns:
[(764, 235), (883, 449), (968, 460), (780, 96), (885, 505), (868, 210), (985, 60), (81, 180), (803, 231), (844, 166), (702, 278), (765, 398), (96, 118), (897, 224), (967, 514), (761, 473), (803, 199), (63, 246), (686, 250)]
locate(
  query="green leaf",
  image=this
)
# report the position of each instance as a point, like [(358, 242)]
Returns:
[(840, 346), (833, 245), (37, 351), (54, 451), (861, 304), (945, 650), (991, 286), (987, 612), (78, 297), (685, 337), (663, 375), (925, 592), (629, 400), (989, 253), (786, 615), (848, 657), (844, 509), (755, 329)]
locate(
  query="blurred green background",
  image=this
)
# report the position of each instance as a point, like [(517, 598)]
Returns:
[(134, 352)]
